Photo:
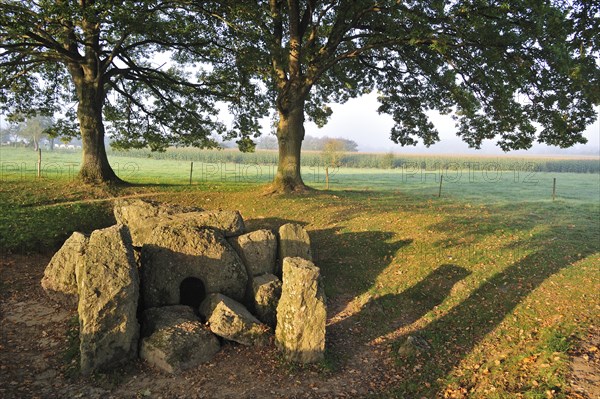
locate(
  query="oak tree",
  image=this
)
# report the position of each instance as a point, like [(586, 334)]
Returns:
[(518, 71), (118, 66)]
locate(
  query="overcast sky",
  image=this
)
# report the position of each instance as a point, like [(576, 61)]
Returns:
[(358, 120)]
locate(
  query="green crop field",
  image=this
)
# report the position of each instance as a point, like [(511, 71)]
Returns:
[(498, 278)]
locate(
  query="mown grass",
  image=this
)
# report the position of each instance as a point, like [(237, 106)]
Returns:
[(483, 179), (499, 283)]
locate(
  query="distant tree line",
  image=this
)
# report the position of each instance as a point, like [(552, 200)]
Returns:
[(407, 164), (311, 143), (34, 132)]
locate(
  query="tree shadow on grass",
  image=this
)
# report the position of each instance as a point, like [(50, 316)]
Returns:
[(350, 262), (386, 313), (44, 230), (453, 336)]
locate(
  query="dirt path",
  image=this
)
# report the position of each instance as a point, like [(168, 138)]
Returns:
[(585, 366)]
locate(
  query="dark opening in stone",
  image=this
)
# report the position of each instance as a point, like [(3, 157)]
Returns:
[(191, 292)]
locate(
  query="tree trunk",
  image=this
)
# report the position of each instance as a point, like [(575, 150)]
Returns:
[(290, 133), (95, 167)]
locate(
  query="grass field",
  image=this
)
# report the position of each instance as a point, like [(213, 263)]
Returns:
[(483, 179), (500, 280)]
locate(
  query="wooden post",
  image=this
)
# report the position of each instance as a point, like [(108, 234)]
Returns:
[(191, 171), (554, 189), (440, 191), (39, 163), (327, 177)]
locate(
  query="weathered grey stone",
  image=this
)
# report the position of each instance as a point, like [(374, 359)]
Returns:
[(231, 320), (293, 242), (141, 216), (301, 312), (258, 251), (108, 297), (174, 253), (60, 280), (266, 290), (228, 223), (175, 339)]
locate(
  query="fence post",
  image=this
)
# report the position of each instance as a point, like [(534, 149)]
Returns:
[(440, 191), (191, 171), (39, 163), (554, 189)]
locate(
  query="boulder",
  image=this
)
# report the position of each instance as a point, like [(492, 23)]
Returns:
[(293, 242), (301, 312), (175, 340), (177, 252), (258, 251), (108, 297), (60, 280), (266, 291), (231, 320), (141, 215)]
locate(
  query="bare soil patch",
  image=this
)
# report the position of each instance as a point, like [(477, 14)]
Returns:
[(585, 366)]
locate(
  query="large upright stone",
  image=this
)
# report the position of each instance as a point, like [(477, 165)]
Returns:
[(231, 320), (258, 250), (266, 291), (60, 280), (293, 242), (177, 252), (175, 340), (301, 312), (108, 297)]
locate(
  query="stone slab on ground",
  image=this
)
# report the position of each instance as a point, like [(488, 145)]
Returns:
[(175, 339), (231, 320)]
